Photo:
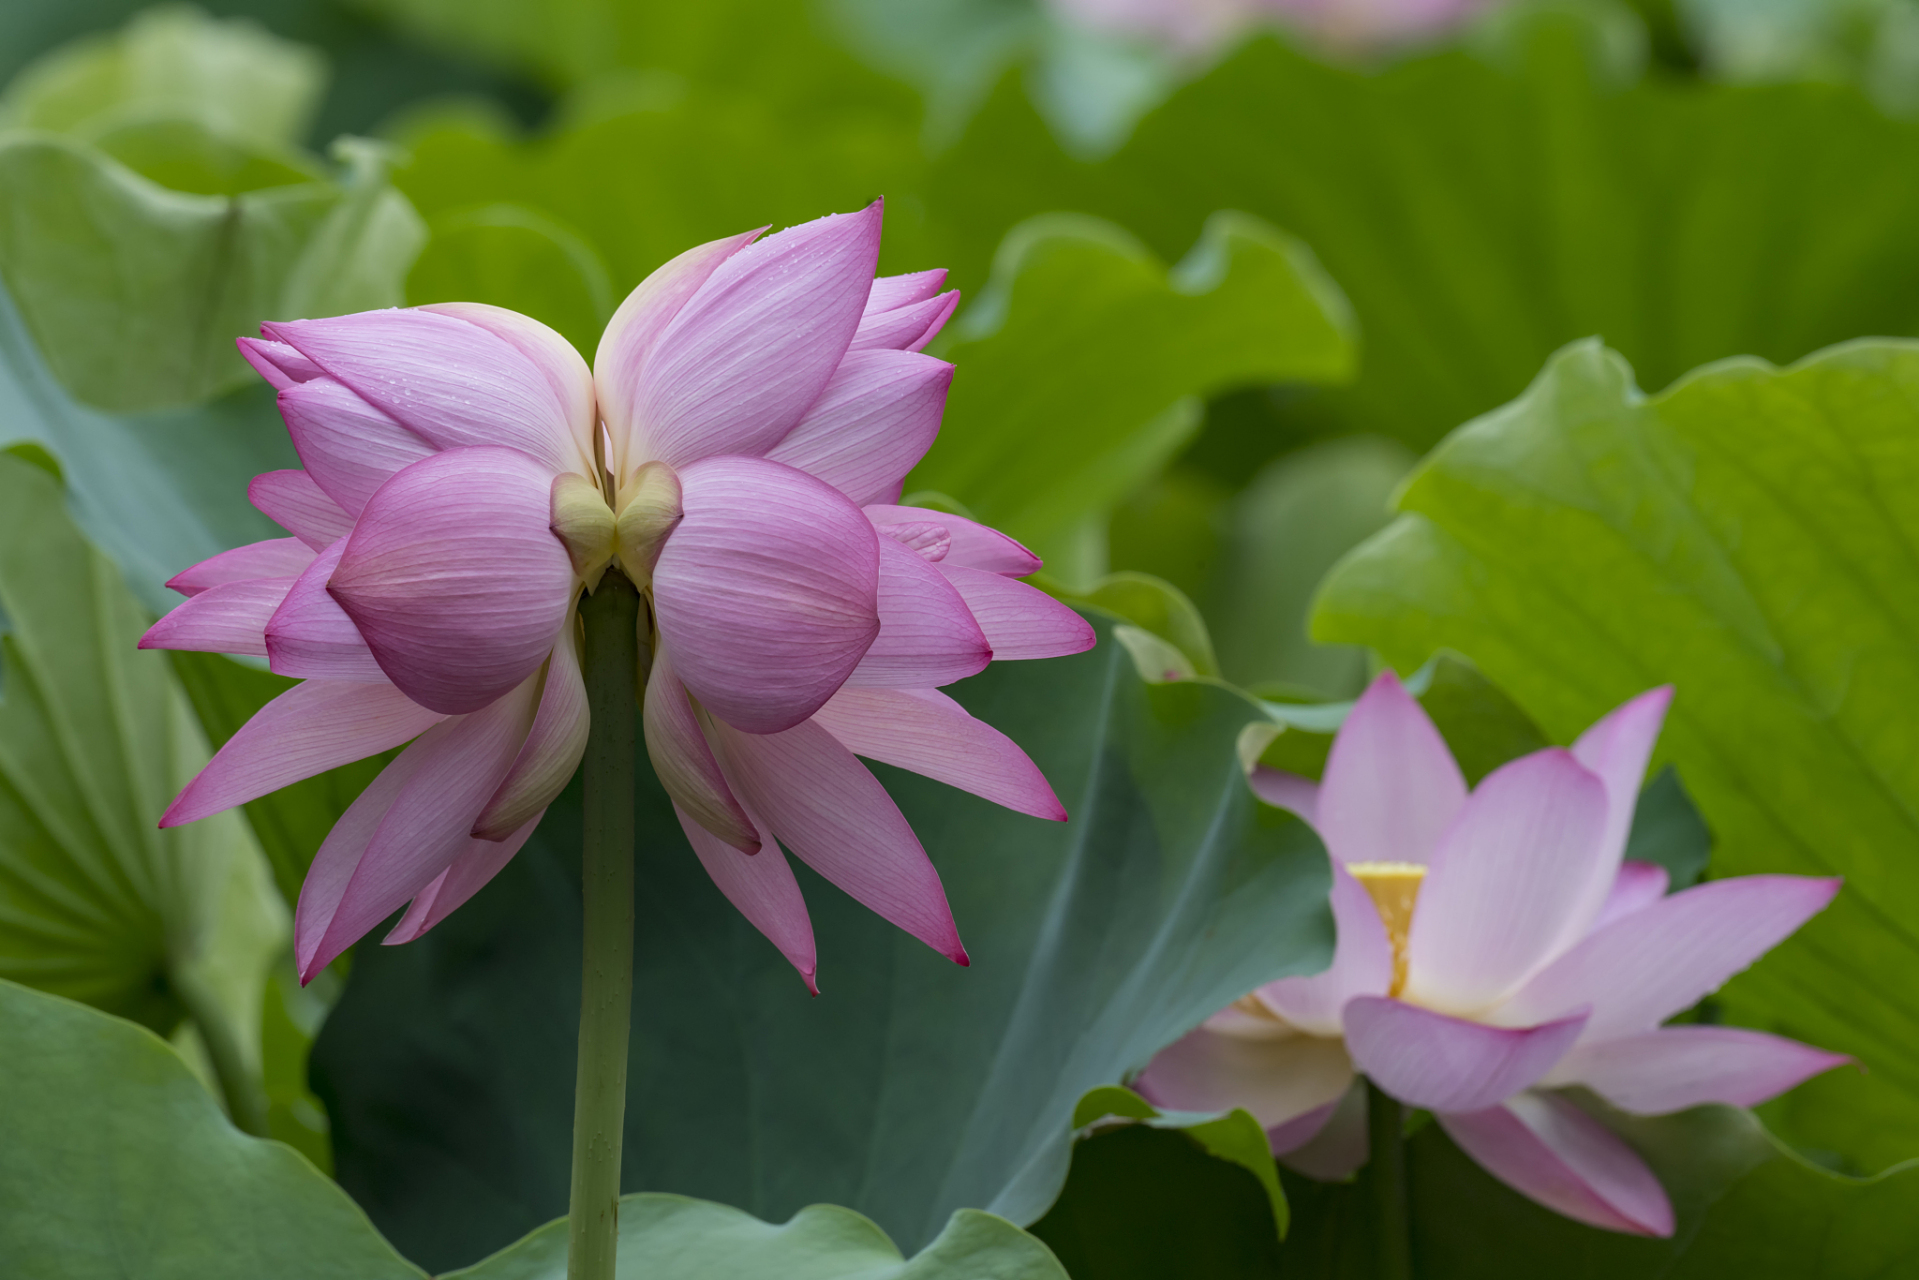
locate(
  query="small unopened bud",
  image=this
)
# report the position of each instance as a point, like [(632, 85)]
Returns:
[(649, 506), (584, 524)]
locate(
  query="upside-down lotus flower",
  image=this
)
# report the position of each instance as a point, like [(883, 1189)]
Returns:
[(738, 451), (1492, 948)]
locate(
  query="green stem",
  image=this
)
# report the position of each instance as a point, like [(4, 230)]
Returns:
[(240, 1085), (611, 668), (1386, 1171)]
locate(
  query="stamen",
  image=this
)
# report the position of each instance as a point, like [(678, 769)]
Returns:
[(1394, 889)]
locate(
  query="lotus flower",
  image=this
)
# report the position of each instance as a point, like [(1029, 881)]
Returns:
[(738, 451), (1198, 27), (1494, 947)]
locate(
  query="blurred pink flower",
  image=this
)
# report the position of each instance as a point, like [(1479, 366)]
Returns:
[(756, 405), (1493, 947), (1193, 27)]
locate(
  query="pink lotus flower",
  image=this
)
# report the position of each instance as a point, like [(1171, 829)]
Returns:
[(738, 451), (1492, 948), (1198, 27)]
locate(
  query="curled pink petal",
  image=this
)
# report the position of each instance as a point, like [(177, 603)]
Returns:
[(929, 733), (279, 364), (1390, 788), (310, 636), (928, 637), (276, 558), (551, 752), (1616, 750), (971, 545), (873, 423), (1287, 791), (468, 874), (1329, 1143), (1019, 621), (451, 382), (838, 820), (1551, 1152), (1638, 884), (766, 591), (1495, 900), (1278, 1076), (1673, 1068), (314, 726), (454, 578), (1426, 1059), (761, 887), (292, 500), (339, 856), (635, 328), (347, 446), (228, 618), (907, 328), (1362, 964), (458, 764), (750, 352), (543, 349), (683, 761), (1642, 969), (889, 293)]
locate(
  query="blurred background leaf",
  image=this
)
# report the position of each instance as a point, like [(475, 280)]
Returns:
[(910, 1087), (1746, 536), (95, 738)]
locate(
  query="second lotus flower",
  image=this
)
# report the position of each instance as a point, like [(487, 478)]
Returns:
[(738, 451), (1494, 947)]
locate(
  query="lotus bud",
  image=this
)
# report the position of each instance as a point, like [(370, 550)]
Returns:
[(649, 504)]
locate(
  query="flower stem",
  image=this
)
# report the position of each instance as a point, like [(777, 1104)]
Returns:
[(1386, 1170), (611, 660)]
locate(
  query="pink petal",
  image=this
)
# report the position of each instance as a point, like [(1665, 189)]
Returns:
[(278, 363), (468, 874), (1019, 621), (551, 752), (1277, 1077), (1286, 791), (1494, 903), (928, 637), (1390, 788), (347, 446), (292, 500), (929, 733), (744, 359), (973, 546), (557, 359), (339, 856), (683, 761), (1641, 969), (1426, 1059), (907, 328), (873, 423), (312, 727), (454, 578), (766, 591), (1678, 1067), (1362, 964), (835, 817), (453, 383), (635, 329), (459, 763), (889, 293), (761, 887), (310, 636), (276, 558), (1638, 884), (229, 618), (1328, 1144), (1551, 1152), (1615, 749)]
